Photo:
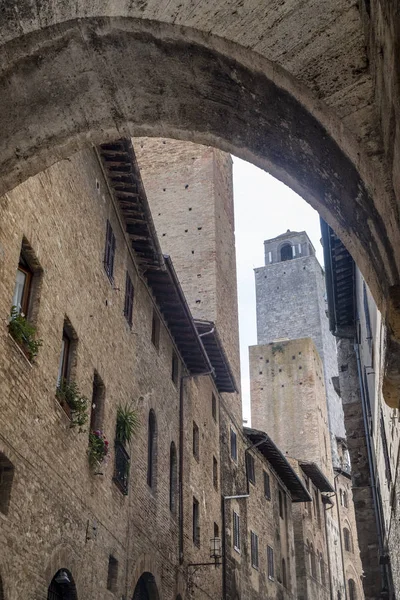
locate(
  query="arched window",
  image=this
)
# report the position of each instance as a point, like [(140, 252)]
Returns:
[(352, 590), (284, 580), (286, 252), (345, 503), (151, 449), (62, 586), (347, 540), (172, 478)]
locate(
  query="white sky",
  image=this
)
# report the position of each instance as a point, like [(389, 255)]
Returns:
[(264, 208)]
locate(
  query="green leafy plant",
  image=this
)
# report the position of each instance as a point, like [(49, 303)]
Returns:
[(98, 448), (127, 423), (68, 394), (24, 334)]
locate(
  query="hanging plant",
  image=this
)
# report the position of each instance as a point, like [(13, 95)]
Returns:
[(127, 423), (68, 395), (24, 333), (98, 448)]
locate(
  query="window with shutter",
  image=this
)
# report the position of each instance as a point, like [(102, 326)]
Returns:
[(129, 294), (236, 531), (254, 549), (109, 252)]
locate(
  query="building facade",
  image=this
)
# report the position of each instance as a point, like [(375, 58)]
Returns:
[(373, 438), (294, 397), (96, 333)]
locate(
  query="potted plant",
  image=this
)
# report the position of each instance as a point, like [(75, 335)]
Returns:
[(127, 423), (24, 334), (73, 402), (98, 450)]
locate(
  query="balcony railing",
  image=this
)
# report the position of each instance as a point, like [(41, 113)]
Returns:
[(121, 470)]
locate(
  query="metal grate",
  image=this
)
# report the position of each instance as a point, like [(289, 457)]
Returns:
[(122, 464)]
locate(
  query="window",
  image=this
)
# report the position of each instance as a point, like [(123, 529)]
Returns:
[(367, 316), (22, 287), (317, 508), (254, 549), (151, 449), (64, 363), (313, 565), (280, 504), (196, 450), (97, 409), (216, 530), (215, 472), (214, 407), (175, 367), (251, 474), (109, 252), (388, 471), (112, 575), (267, 486), (196, 522), (233, 445), (129, 294), (236, 531), (322, 569), (352, 590), (283, 574), (6, 479), (270, 563), (172, 478), (155, 330), (286, 252), (347, 540)]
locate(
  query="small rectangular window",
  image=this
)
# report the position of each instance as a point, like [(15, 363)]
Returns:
[(112, 575), (175, 367), (251, 472), (254, 549), (109, 252), (270, 562), (236, 531), (267, 486), (216, 530), (155, 330), (280, 498), (233, 445), (22, 287), (97, 409), (215, 472), (196, 449), (64, 362), (214, 407), (129, 294), (196, 522)]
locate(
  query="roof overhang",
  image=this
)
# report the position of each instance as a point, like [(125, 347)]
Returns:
[(280, 464), (123, 177), (224, 379), (313, 471), (340, 283)]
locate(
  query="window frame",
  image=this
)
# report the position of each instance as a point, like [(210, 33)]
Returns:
[(27, 286), (196, 441), (255, 561), (151, 449), (250, 468), (129, 298), (236, 531), (270, 563), (267, 487), (215, 473), (109, 252), (214, 407), (155, 330), (64, 363), (196, 522), (174, 368), (233, 444)]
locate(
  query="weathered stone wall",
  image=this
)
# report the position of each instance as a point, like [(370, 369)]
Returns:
[(291, 304), (189, 188), (288, 399)]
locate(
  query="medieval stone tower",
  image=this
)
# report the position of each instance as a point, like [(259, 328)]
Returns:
[(290, 295)]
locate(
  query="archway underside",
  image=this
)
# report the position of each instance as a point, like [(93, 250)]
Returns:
[(88, 81)]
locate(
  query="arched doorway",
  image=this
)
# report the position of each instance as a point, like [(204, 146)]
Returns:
[(62, 586), (146, 588)]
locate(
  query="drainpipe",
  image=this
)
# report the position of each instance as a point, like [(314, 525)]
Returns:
[(328, 553), (181, 436), (340, 536), (385, 578), (224, 499)]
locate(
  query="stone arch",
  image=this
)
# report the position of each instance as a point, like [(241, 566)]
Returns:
[(62, 586), (146, 588), (64, 557), (145, 564), (228, 96)]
